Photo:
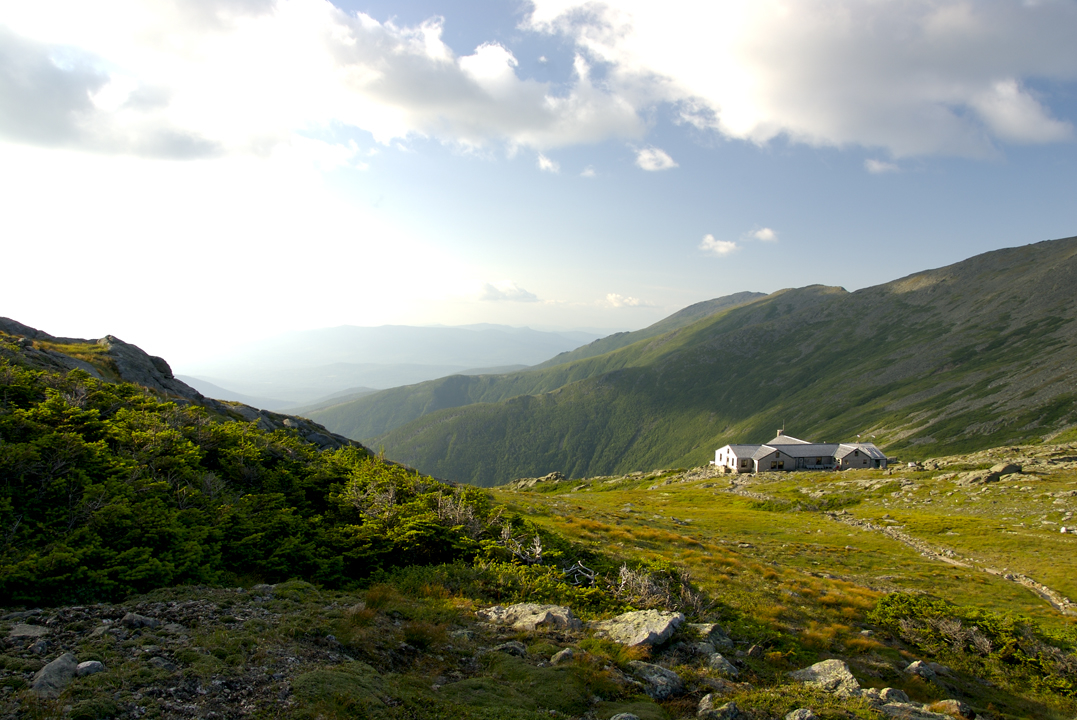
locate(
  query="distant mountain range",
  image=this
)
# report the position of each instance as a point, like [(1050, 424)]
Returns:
[(976, 354), (307, 367)]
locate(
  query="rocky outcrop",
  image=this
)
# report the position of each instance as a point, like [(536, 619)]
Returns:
[(123, 362), (642, 627), (531, 616)]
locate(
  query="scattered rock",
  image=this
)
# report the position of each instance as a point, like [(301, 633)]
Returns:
[(886, 695), (51, 680), (921, 668), (562, 657), (162, 664), (625, 716), (22, 630), (90, 667), (701, 648), (939, 669), (728, 711), (756, 652), (643, 627), (801, 714), (532, 616), (41, 647), (658, 682), (910, 711), (955, 708), (719, 663), (1005, 469), (512, 647), (830, 676), (134, 621), (713, 634)]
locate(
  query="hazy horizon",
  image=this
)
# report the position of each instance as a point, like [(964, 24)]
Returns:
[(194, 176)]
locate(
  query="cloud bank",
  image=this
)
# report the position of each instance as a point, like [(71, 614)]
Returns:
[(917, 77), (161, 78)]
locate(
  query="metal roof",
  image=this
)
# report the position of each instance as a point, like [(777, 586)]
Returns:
[(868, 449), (742, 451), (787, 440)]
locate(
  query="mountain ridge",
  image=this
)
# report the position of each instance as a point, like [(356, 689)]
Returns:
[(948, 359)]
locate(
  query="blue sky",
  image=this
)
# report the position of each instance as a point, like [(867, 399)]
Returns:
[(188, 175)]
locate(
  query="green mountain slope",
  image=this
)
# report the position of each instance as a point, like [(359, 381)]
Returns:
[(975, 354), (378, 413)]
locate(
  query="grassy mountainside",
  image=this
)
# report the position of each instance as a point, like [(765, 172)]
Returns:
[(167, 522), (378, 413), (976, 354)]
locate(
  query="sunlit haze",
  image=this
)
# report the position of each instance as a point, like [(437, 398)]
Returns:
[(188, 175)]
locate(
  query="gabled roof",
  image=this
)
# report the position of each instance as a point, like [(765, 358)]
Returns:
[(742, 451), (868, 449), (782, 439)]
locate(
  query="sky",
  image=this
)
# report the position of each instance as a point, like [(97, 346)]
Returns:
[(192, 174)]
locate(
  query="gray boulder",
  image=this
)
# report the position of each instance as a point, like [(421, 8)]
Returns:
[(831, 676), (910, 711), (23, 630), (531, 616), (163, 664), (90, 667), (563, 656), (134, 621), (921, 668), (886, 695), (658, 682), (625, 716), (801, 714), (512, 647), (956, 708), (719, 663), (643, 627), (1006, 469), (51, 680), (709, 710)]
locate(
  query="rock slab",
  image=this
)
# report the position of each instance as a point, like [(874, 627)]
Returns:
[(51, 680), (24, 630), (532, 616), (643, 627)]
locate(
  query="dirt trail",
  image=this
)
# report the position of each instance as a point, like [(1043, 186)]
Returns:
[(1056, 599)]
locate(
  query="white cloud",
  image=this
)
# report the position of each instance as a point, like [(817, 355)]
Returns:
[(166, 79), (506, 291), (653, 159), (547, 165), (618, 301), (588, 172), (764, 234), (717, 247), (919, 77), (879, 166)]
